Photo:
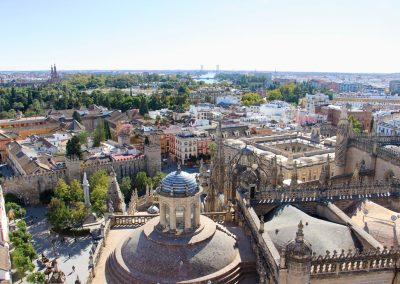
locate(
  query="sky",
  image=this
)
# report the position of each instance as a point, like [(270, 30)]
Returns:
[(263, 35)]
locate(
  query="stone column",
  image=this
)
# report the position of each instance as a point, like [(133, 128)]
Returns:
[(196, 214), (172, 217), (187, 218), (163, 220)]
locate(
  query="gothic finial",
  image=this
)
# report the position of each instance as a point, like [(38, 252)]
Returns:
[(293, 181), (299, 234)]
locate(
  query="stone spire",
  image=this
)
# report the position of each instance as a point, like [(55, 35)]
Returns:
[(294, 178), (342, 136), (298, 258), (299, 233), (86, 193), (274, 172), (132, 204), (115, 195), (217, 177), (325, 172), (280, 175)]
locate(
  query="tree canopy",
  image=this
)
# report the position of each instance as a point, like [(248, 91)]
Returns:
[(66, 208), (251, 99), (74, 147)]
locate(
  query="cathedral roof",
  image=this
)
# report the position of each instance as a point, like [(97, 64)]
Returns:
[(179, 182), (378, 221), (282, 226)]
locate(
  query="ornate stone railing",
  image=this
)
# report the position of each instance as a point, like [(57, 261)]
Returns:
[(389, 154), (267, 255), (95, 256), (366, 141), (334, 192), (350, 262), (217, 217), (130, 220)]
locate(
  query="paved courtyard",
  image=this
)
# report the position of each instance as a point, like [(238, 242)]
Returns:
[(78, 251)]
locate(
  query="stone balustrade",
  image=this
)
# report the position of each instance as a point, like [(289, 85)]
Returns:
[(389, 155), (95, 257), (130, 220), (267, 254), (350, 262), (334, 192), (217, 217)]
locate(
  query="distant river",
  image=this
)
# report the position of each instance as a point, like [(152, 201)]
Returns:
[(207, 78)]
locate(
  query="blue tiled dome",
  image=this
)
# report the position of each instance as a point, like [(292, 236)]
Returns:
[(179, 182)]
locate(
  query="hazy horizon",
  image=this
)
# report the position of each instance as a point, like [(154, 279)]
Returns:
[(195, 70), (318, 36)]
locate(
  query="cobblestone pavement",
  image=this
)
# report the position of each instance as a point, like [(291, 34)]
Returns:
[(78, 251)]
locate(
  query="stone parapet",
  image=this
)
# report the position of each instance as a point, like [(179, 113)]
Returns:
[(348, 262)]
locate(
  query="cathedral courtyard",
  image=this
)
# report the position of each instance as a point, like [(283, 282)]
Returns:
[(68, 253)]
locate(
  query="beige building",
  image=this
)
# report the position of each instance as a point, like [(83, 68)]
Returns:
[(289, 150)]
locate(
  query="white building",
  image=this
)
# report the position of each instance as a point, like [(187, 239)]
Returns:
[(391, 127), (202, 111), (227, 99), (312, 101), (278, 111), (185, 146)]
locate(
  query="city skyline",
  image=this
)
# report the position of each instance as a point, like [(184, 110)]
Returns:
[(316, 36)]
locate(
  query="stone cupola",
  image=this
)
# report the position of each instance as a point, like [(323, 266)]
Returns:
[(179, 197)]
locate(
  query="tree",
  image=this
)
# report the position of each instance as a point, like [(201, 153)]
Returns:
[(62, 191), (144, 108), (78, 213), (251, 99), (36, 277), (21, 235), (83, 137), (107, 130), (355, 124), (99, 134), (98, 199), (99, 186), (58, 214), (28, 250), (99, 177), (157, 178), (19, 212), (274, 95), (126, 187), (76, 191), (140, 182), (212, 148), (21, 262), (76, 115), (74, 147)]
